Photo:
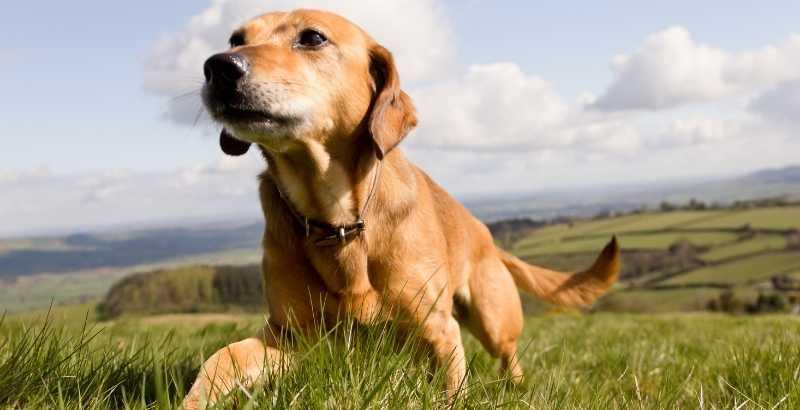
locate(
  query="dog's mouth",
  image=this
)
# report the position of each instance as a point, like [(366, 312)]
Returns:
[(241, 115), (236, 109)]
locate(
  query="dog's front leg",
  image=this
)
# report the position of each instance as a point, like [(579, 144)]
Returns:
[(241, 364), (443, 334), (359, 298), (364, 305)]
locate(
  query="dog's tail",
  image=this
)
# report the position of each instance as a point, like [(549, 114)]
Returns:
[(579, 289)]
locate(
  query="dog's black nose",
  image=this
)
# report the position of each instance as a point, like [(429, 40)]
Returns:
[(224, 70)]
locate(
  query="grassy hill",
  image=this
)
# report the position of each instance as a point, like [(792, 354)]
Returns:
[(122, 249), (118, 249), (673, 261), (598, 361), (35, 271), (680, 260), (779, 182), (191, 289)]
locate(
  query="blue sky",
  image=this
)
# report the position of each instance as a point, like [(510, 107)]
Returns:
[(80, 104), (76, 100), (571, 42)]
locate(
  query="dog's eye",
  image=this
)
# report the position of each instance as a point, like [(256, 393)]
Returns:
[(236, 40), (311, 38)]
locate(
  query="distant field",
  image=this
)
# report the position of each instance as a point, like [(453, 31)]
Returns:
[(719, 249), (723, 247), (765, 218), (613, 226), (122, 250), (756, 244), (599, 361), (647, 222), (658, 301), (631, 240), (38, 291), (741, 272)]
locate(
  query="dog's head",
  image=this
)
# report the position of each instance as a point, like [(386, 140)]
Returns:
[(305, 76)]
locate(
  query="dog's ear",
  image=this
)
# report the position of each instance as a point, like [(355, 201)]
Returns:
[(393, 114), (231, 145)]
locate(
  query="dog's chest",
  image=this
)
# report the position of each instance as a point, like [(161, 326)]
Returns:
[(344, 270), (341, 268)]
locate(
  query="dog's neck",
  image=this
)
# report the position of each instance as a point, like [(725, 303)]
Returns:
[(322, 184)]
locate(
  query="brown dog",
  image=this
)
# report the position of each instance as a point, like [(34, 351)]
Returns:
[(353, 228)]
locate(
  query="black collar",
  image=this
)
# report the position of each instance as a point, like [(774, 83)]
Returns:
[(331, 234)]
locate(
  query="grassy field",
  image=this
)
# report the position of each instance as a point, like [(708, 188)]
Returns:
[(756, 244), (598, 361), (38, 291), (658, 241), (764, 218), (678, 261), (741, 272), (683, 259), (721, 239)]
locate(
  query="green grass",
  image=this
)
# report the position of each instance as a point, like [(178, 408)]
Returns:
[(597, 361), (759, 243), (760, 267)]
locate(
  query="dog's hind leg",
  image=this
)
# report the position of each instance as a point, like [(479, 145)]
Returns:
[(494, 313)]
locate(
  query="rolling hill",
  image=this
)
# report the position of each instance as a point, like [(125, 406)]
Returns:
[(682, 260), (86, 251), (37, 270), (778, 182), (126, 248)]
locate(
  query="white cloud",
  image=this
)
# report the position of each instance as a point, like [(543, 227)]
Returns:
[(672, 69), (422, 49), (225, 188), (490, 106), (499, 108)]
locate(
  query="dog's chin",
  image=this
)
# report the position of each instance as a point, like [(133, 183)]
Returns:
[(270, 136), (259, 127)]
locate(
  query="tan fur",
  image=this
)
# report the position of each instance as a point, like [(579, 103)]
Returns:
[(422, 252)]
